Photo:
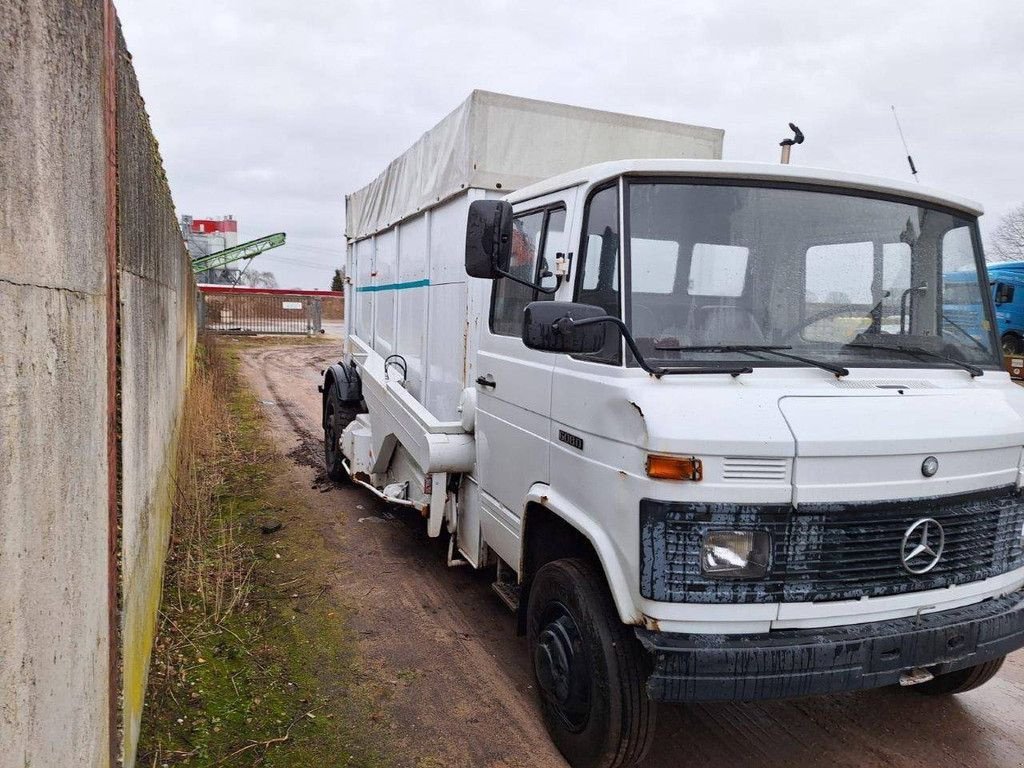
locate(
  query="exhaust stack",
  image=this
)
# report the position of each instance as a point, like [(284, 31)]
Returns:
[(786, 144)]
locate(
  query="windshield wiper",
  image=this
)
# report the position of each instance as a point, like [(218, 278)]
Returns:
[(838, 370), (908, 349)]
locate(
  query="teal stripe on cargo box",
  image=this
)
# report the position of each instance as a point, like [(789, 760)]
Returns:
[(394, 286)]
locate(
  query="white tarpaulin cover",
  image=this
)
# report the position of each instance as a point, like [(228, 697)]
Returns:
[(494, 141)]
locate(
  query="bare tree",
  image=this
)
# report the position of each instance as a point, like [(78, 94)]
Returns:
[(257, 279), (1008, 238)]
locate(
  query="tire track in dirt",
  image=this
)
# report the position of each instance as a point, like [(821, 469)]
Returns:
[(462, 694), (462, 682)]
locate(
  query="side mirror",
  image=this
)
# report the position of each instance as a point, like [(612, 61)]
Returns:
[(563, 326), (488, 238)]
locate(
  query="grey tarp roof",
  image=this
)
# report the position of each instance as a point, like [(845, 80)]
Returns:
[(495, 141)]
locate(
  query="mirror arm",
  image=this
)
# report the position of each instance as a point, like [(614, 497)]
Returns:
[(567, 323), (903, 304), (630, 342), (538, 288)]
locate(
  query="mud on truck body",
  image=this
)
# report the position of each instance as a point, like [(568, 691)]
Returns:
[(714, 426)]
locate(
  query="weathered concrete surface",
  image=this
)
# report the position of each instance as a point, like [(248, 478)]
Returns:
[(56, 638), (53, 394), (157, 333)]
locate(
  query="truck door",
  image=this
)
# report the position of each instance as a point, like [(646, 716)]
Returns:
[(514, 383), (1009, 316)]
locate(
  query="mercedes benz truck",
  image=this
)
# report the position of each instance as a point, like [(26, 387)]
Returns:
[(720, 430)]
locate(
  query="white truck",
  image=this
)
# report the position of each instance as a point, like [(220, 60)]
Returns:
[(724, 431)]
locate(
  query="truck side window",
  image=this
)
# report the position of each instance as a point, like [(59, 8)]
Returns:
[(1004, 293), (540, 232), (554, 243), (598, 279)]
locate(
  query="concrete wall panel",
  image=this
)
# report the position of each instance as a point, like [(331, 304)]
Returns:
[(56, 638), (54, 675), (157, 316)]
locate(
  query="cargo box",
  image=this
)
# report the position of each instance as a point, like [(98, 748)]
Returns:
[(406, 230)]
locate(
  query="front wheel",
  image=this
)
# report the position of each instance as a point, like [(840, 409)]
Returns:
[(590, 669), (962, 680), (1011, 344)]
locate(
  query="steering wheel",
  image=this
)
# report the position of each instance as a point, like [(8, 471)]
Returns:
[(835, 311)]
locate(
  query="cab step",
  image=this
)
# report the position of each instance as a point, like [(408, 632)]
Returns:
[(509, 594)]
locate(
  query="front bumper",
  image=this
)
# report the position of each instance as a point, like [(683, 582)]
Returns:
[(808, 662)]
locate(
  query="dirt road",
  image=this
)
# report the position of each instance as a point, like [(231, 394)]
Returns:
[(463, 694)]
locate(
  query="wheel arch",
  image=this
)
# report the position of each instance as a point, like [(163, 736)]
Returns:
[(553, 529), (350, 386)]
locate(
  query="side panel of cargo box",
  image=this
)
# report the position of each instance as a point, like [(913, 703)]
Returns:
[(407, 295)]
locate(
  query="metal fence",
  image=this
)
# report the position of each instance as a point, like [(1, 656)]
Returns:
[(224, 309)]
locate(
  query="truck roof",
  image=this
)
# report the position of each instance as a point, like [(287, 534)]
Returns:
[(497, 142), (745, 171), (1006, 266)]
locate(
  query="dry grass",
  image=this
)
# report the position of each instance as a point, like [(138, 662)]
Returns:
[(214, 568), (237, 676)]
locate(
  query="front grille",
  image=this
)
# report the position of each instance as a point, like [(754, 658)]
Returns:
[(829, 551)]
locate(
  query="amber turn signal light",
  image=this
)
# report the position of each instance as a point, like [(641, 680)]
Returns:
[(674, 468)]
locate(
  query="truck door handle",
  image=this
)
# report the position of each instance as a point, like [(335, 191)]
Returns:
[(486, 381)]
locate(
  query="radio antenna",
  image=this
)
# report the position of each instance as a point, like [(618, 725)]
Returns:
[(910, 160)]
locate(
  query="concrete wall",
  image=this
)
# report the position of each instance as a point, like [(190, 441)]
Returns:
[(78, 596), (54, 639), (157, 327)]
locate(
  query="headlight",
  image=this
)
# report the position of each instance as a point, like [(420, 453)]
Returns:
[(735, 554)]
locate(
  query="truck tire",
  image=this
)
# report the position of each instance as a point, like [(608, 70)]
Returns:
[(590, 669), (337, 416), (1011, 344), (962, 680)]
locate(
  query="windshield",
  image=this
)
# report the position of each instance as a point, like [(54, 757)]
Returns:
[(854, 281)]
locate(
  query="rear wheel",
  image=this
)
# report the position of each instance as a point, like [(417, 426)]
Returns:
[(962, 680), (337, 416), (590, 669)]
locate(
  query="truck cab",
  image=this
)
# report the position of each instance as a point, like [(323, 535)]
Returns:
[(1007, 280), (726, 431)]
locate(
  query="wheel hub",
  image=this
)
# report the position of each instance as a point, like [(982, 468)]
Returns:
[(561, 670)]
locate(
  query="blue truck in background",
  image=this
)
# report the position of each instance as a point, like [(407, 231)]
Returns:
[(1007, 281)]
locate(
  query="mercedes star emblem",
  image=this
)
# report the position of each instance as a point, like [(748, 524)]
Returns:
[(929, 466), (922, 546)]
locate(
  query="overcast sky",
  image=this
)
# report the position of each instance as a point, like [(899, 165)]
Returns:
[(273, 111)]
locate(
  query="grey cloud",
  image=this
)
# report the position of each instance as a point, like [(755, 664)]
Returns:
[(273, 111)]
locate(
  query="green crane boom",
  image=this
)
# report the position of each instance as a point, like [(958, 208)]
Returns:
[(237, 253)]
